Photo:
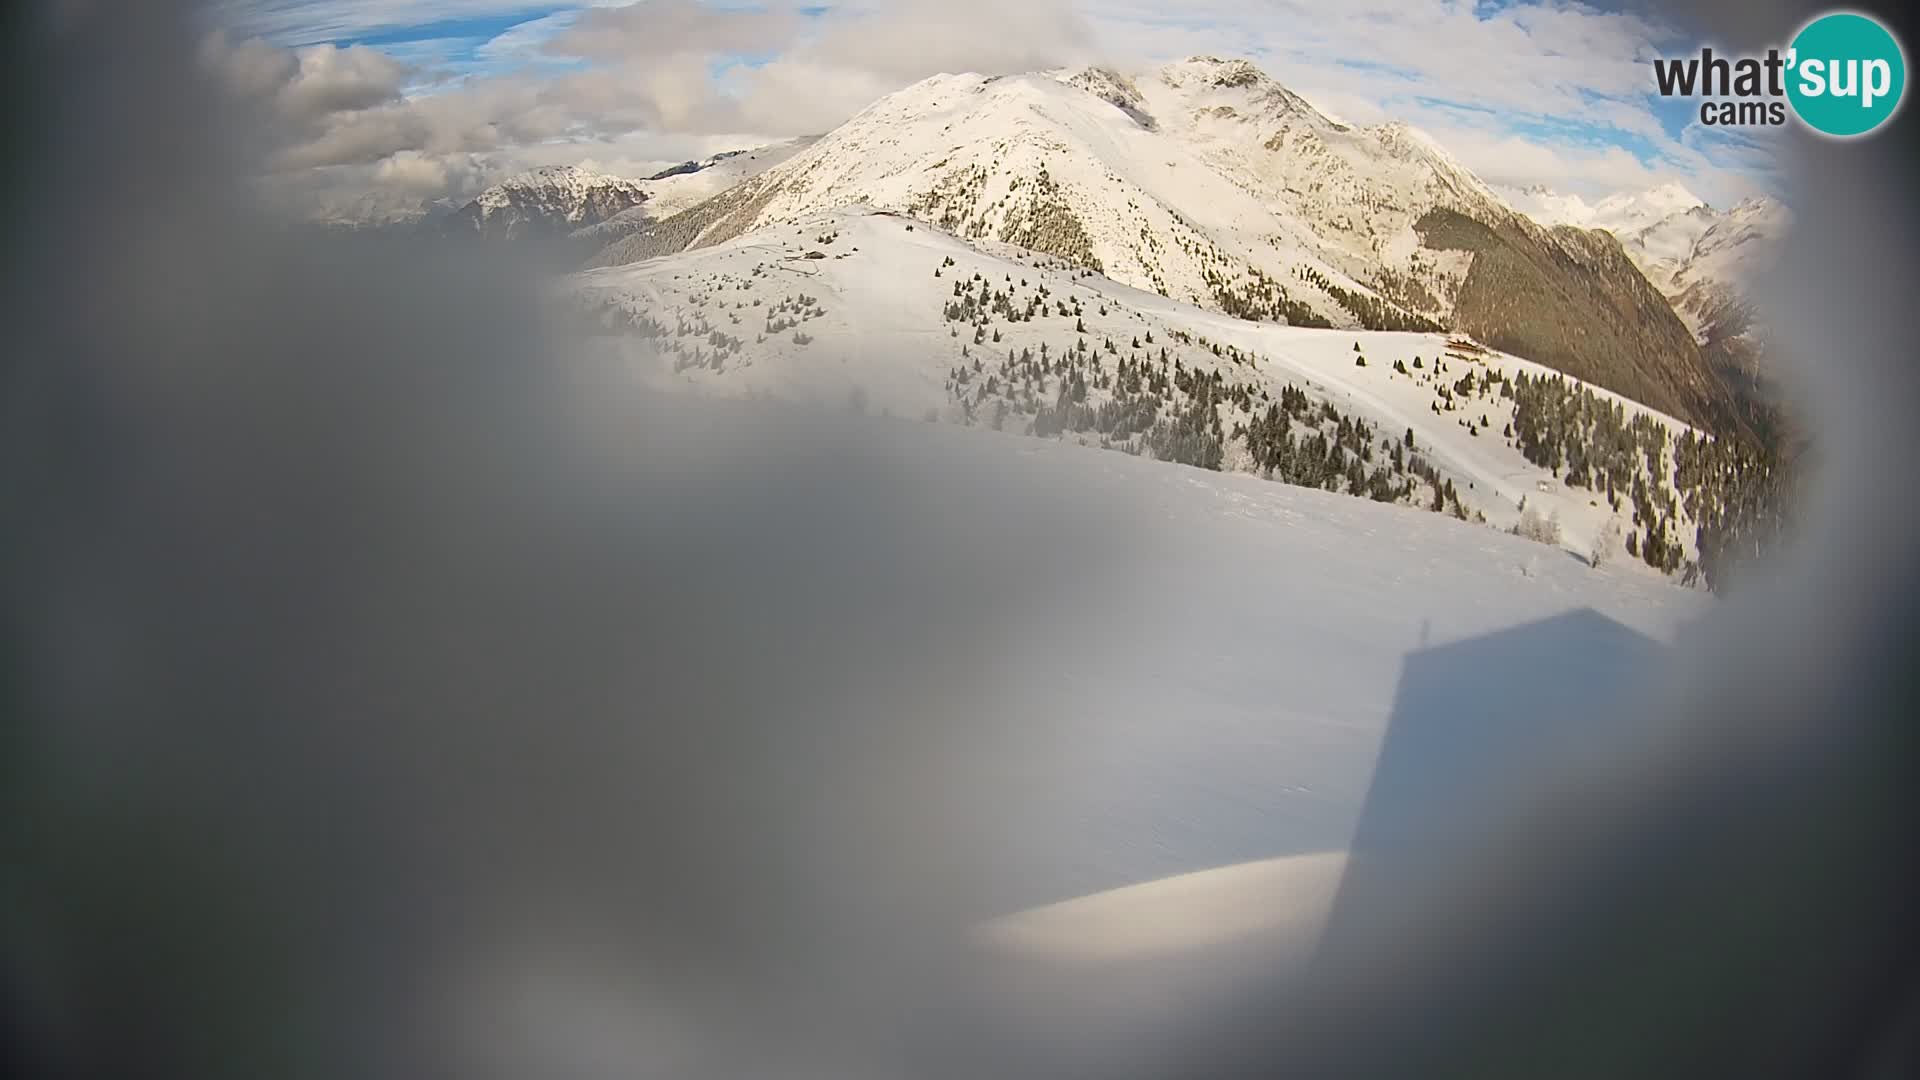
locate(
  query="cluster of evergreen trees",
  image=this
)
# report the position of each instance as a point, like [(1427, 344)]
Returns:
[(1333, 452), (1143, 396), (604, 313), (692, 341), (953, 201), (1134, 402), (1740, 496), (1734, 494), (1373, 312), (1143, 399), (790, 312), (1034, 213), (976, 302), (1259, 298), (1037, 217)]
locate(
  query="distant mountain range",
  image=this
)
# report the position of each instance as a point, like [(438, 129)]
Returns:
[(1706, 261), (564, 200), (551, 200)]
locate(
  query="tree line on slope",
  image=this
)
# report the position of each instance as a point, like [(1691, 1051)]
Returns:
[(1734, 491), (1144, 399)]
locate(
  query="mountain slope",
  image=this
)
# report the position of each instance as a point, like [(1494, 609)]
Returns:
[(1625, 214), (1088, 168), (672, 190), (1596, 318), (1726, 260), (1704, 259), (1207, 182), (592, 209), (882, 311), (1707, 263)]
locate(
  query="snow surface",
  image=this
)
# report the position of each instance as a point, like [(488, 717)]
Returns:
[(1159, 755), (1215, 683), (1203, 166), (670, 195), (1621, 212), (1741, 244), (879, 335)]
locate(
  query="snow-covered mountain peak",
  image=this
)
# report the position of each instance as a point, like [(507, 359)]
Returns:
[(1619, 213), (1208, 182), (1741, 244), (571, 183), (548, 199), (1409, 143), (1166, 185), (1208, 88), (1216, 72), (1113, 88), (1762, 210), (1661, 201)]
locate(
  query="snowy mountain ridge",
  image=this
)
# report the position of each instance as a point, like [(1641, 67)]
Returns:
[(1082, 175), (546, 200), (1620, 212), (1207, 182), (568, 185), (596, 207), (672, 190)]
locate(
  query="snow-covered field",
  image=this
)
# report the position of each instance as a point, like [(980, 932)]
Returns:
[(1203, 689), (1266, 633)]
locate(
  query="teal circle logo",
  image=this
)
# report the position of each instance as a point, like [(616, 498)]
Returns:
[(1846, 74)]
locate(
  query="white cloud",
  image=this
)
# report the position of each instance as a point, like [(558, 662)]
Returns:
[(302, 22), (526, 41), (1546, 81), (330, 80), (422, 176), (1546, 92)]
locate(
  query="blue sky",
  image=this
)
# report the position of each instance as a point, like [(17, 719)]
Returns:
[(1523, 92), (439, 39)]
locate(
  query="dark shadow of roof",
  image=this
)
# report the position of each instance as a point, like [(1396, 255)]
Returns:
[(1470, 715), (1476, 726)]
